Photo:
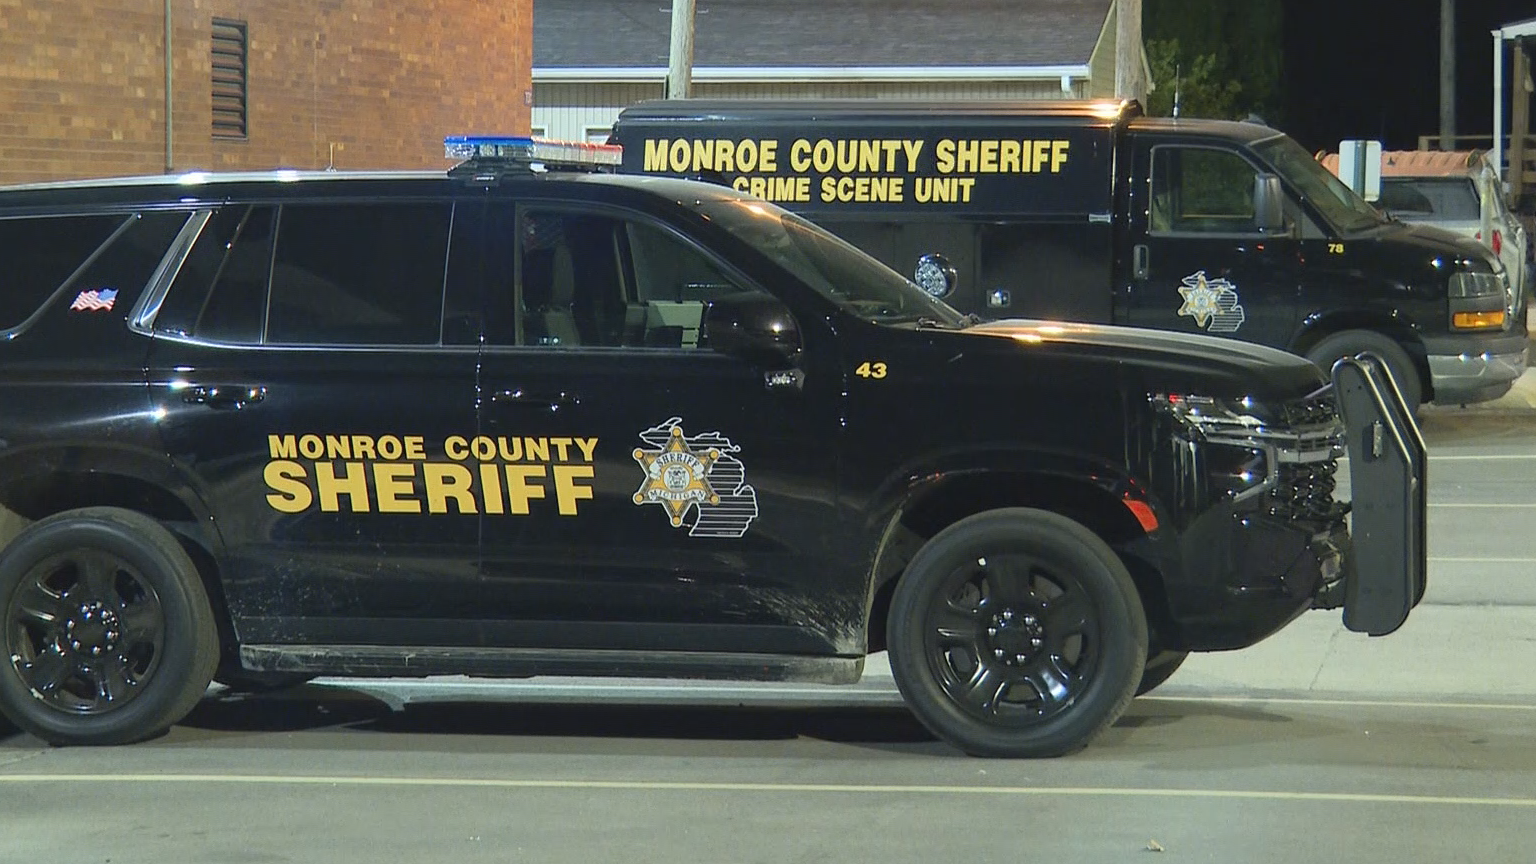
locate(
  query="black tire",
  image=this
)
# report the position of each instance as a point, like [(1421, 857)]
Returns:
[(106, 633), (248, 681), (1017, 633), (1348, 343), (1160, 667)]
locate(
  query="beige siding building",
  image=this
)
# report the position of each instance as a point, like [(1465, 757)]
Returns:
[(586, 69)]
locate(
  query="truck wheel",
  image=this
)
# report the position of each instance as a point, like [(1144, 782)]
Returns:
[(1160, 667), (107, 635), (1351, 342), (1016, 632)]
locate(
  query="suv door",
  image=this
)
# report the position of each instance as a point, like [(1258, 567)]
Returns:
[(660, 494), (1199, 263), (300, 377)]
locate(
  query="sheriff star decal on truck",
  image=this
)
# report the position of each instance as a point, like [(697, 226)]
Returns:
[(1212, 303), (698, 473)]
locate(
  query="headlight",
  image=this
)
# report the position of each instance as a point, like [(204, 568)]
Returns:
[(1239, 446), (1466, 285), (1234, 459), (1212, 415), (1481, 300)]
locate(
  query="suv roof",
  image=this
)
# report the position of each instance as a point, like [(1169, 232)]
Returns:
[(199, 187)]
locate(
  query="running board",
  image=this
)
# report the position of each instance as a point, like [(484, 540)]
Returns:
[(386, 661)]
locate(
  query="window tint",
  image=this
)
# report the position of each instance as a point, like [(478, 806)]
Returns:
[(233, 311), (598, 280), (360, 274), (231, 256), (1201, 190), (40, 253)]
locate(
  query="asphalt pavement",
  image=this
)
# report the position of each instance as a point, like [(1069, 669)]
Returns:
[(1317, 744)]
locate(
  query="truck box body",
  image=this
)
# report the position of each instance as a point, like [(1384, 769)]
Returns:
[(1089, 211)]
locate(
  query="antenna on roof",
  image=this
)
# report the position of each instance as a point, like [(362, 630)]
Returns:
[(1177, 86)]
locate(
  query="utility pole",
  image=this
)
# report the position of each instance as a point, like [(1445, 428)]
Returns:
[(1128, 84), (680, 60), (1447, 74)]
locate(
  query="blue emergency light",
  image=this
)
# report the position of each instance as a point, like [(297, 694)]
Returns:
[(525, 150)]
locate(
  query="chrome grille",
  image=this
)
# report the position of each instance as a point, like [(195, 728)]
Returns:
[(1305, 485), (1305, 492), (1323, 408)]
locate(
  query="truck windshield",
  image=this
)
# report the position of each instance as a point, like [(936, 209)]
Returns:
[(833, 267), (1345, 210)]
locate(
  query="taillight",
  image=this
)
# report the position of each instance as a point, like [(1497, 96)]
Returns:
[(1498, 242)]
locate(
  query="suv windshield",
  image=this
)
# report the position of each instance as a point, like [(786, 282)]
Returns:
[(833, 267), (1345, 210)]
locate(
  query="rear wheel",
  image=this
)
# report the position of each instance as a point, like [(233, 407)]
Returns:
[(107, 633), (1017, 632), (1348, 343)]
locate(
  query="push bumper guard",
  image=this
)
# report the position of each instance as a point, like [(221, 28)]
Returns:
[(1386, 569)]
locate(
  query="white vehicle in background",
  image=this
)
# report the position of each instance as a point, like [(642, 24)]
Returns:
[(1457, 190)]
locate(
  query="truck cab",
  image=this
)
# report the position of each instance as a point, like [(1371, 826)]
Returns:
[(1092, 212)]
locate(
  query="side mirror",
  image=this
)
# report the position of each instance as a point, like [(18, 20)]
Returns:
[(755, 327), (935, 275), (1268, 203)]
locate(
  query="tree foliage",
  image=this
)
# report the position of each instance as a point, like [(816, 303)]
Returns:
[(1227, 54)]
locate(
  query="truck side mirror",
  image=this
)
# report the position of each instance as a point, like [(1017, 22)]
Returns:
[(752, 326), (1268, 203)]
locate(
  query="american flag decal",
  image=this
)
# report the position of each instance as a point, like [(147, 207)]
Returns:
[(95, 300)]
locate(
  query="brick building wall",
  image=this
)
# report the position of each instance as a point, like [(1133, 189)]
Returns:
[(366, 83)]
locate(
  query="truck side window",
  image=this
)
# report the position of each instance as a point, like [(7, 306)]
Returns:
[(597, 280), (1203, 190)]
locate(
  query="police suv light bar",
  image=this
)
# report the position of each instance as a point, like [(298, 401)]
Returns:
[(524, 149)]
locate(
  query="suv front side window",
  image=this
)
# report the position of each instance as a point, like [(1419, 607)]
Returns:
[(596, 279)]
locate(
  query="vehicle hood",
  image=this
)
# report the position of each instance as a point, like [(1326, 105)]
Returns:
[(1168, 361), (1432, 241)]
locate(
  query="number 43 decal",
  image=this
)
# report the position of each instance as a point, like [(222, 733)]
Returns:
[(870, 370)]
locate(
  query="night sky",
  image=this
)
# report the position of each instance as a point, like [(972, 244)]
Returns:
[(1370, 68)]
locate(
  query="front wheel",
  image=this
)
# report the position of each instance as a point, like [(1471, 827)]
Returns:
[(1017, 632), (107, 636), (1160, 667), (1351, 342)]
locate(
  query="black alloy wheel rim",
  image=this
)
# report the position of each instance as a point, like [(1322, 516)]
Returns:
[(1011, 640), (85, 632)]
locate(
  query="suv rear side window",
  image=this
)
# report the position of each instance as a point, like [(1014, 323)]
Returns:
[(342, 274), (39, 253), (359, 274)]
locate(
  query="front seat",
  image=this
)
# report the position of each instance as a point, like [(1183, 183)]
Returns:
[(556, 318)]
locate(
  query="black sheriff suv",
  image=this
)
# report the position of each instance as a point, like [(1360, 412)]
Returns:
[(529, 416)]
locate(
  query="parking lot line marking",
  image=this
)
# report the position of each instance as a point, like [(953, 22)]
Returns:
[(1454, 560), (1348, 703), (1484, 506), (771, 788), (1469, 457)]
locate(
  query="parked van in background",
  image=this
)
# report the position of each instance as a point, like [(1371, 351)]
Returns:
[(1089, 211)]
